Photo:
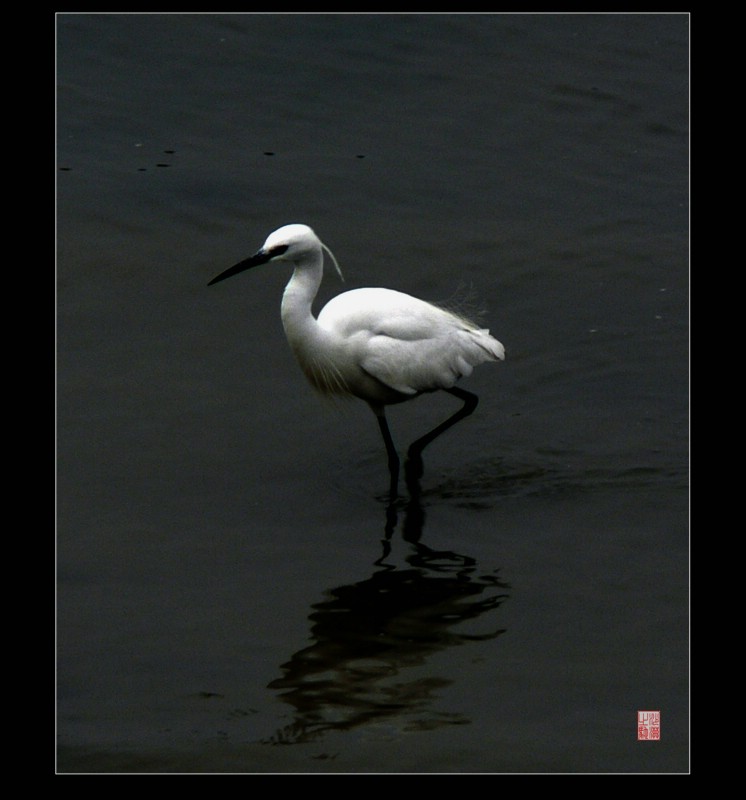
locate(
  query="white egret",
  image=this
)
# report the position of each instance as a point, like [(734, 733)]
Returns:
[(380, 345)]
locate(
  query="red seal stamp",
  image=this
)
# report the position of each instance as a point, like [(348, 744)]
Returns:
[(648, 725)]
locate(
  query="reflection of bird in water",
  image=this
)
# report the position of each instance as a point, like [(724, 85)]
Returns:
[(370, 638), (379, 345)]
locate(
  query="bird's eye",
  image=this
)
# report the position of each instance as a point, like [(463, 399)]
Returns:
[(278, 250)]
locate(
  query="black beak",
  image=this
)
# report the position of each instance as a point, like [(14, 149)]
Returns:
[(262, 257)]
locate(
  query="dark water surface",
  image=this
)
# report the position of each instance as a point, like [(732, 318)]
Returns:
[(233, 594)]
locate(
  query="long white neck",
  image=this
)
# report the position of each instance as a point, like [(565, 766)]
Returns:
[(300, 325), (309, 341)]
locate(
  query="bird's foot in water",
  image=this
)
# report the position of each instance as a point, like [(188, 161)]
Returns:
[(413, 471)]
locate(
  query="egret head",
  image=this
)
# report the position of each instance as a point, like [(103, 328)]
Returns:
[(294, 243)]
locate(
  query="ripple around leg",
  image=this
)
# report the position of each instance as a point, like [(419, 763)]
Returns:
[(480, 485)]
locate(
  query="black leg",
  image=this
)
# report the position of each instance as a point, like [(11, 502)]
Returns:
[(392, 454), (414, 454)]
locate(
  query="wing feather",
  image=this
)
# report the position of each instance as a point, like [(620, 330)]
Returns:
[(408, 344)]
